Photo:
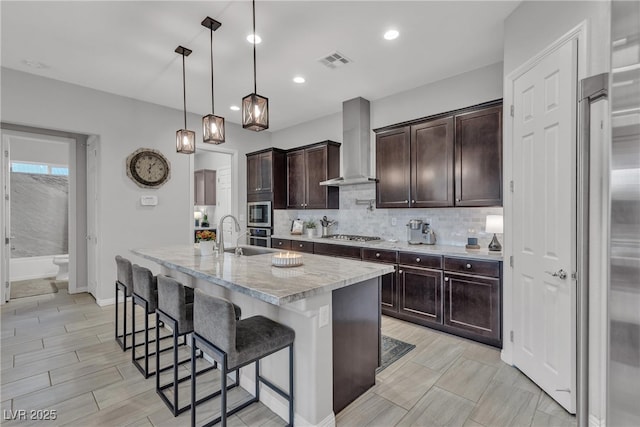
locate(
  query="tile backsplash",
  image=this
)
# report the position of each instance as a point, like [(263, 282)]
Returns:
[(451, 225)]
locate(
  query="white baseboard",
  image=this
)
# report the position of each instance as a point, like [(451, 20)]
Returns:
[(80, 290), (102, 302)]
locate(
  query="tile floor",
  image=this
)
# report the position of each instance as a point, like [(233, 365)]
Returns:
[(58, 352)]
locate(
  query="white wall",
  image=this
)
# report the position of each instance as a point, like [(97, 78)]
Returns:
[(211, 160), (529, 29), (536, 24), (122, 125)]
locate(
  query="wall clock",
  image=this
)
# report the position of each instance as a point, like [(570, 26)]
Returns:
[(148, 168)]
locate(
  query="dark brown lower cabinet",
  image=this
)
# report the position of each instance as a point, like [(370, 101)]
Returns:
[(472, 303), (420, 294), (389, 293)]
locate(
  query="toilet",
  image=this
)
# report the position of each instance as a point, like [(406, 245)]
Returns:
[(62, 261)]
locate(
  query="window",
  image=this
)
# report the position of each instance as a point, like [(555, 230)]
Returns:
[(39, 168)]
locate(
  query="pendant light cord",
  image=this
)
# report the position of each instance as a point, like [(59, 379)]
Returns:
[(212, 97), (255, 90), (184, 91)]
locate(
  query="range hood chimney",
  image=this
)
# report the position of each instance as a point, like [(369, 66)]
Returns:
[(356, 142)]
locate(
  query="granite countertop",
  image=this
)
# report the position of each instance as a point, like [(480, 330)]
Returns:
[(255, 276), (403, 246)]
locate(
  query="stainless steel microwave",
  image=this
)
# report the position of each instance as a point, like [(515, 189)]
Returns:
[(259, 214)]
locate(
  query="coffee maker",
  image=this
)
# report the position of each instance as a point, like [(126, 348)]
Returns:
[(420, 233)]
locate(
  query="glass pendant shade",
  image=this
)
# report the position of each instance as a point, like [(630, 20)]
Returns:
[(255, 112), (213, 129), (185, 141)]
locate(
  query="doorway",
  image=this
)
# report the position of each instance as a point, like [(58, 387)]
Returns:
[(219, 163), (540, 286), (44, 214)]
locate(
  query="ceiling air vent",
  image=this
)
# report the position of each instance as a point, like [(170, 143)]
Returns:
[(334, 60)]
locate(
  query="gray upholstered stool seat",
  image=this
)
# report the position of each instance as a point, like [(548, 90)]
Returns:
[(175, 309), (124, 284), (145, 294), (236, 343)]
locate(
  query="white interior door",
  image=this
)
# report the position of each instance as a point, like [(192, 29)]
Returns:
[(223, 203), (544, 175), (92, 216), (5, 275)]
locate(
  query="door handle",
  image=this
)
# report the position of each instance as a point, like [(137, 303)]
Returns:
[(561, 274)]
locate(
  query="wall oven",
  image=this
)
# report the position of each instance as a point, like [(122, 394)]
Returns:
[(259, 214), (259, 237)]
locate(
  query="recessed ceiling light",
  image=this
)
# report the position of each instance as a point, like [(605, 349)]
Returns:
[(235, 108), (299, 79), (250, 38), (391, 34)]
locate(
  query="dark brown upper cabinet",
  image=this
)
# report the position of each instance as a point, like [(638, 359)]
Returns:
[(393, 157), (432, 164), (204, 187), (451, 159), (306, 168), (479, 158), (266, 177)]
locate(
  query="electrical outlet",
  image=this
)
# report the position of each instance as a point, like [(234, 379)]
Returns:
[(323, 318), (394, 221)]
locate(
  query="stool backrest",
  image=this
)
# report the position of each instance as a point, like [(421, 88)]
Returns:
[(145, 283), (172, 298), (125, 272), (215, 320)]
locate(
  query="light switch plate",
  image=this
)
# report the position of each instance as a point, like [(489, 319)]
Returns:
[(148, 200)]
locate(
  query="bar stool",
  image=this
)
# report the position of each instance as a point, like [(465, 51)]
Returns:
[(124, 283), (236, 343), (145, 294), (175, 309)]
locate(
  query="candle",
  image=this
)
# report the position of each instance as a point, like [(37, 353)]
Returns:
[(286, 259)]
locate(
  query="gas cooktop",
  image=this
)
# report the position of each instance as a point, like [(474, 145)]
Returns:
[(351, 237)]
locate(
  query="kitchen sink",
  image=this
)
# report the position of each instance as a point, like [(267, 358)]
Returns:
[(251, 250)]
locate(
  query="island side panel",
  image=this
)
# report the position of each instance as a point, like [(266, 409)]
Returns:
[(356, 340), (312, 353)]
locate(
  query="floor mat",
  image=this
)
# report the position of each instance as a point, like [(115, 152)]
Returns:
[(29, 288), (392, 350)]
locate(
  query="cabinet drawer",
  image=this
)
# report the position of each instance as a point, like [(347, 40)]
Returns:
[(472, 266), (281, 244), (420, 260), (299, 246), (379, 255), (336, 250)]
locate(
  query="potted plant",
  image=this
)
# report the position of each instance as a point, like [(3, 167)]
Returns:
[(311, 228), (207, 241)]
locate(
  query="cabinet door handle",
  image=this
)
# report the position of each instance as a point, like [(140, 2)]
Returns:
[(301, 245), (468, 266), (417, 259), (457, 200), (401, 271), (413, 201), (406, 201), (446, 279), (377, 255), (279, 243)]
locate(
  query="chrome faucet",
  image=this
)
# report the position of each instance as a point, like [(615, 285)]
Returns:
[(221, 231), (238, 248)]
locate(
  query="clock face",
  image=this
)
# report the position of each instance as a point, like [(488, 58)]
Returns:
[(148, 168)]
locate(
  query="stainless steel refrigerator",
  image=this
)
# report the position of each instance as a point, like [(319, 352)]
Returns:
[(623, 360)]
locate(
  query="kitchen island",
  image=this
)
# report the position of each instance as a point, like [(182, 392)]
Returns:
[(332, 304)]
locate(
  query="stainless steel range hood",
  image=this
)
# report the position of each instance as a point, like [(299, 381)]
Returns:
[(356, 140)]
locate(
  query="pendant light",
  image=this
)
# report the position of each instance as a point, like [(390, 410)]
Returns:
[(212, 125), (255, 108), (185, 139)]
